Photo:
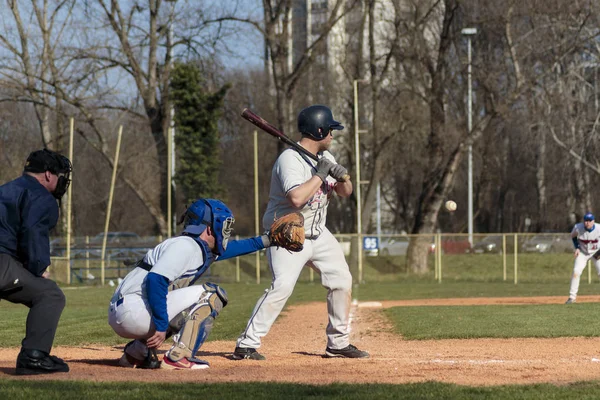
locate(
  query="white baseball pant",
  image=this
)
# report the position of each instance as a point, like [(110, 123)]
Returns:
[(578, 267), (130, 315), (326, 255)]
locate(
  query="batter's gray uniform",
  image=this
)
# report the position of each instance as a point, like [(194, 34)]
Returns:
[(589, 243), (321, 249)]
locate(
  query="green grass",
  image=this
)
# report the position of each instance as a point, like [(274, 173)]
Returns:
[(531, 268), (423, 289), (64, 390), (495, 321), (84, 322)]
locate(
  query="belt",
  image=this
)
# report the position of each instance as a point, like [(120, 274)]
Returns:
[(143, 265)]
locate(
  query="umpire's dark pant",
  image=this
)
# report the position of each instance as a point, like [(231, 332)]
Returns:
[(43, 297)]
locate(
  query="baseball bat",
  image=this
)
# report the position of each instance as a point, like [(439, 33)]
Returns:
[(263, 124)]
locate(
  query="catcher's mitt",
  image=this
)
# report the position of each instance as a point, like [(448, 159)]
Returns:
[(288, 232)]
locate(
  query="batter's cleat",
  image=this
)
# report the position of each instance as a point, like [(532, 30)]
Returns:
[(36, 362), (570, 301), (184, 363), (247, 353), (347, 352)]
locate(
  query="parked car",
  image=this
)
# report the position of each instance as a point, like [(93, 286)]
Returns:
[(396, 246), (548, 244), (58, 246), (118, 245), (124, 238), (455, 245), (489, 244)]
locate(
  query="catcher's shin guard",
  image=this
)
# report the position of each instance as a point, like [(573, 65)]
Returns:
[(195, 323)]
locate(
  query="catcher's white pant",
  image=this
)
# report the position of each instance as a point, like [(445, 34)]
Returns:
[(326, 255), (130, 315), (578, 267)]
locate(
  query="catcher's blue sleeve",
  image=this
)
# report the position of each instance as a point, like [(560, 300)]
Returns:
[(240, 247), (157, 287)]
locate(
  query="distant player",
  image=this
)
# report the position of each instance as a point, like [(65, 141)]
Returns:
[(586, 239), (301, 184), (158, 299)]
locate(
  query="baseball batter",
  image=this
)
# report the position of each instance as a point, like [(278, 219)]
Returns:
[(158, 299), (586, 239), (301, 184)]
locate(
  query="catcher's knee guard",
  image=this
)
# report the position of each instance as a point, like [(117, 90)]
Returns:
[(195, 323)]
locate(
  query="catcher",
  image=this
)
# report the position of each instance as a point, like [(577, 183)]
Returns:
[(158, 299)]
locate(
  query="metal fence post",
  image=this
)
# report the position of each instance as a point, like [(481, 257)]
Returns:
[(237, 263), (436, 266), (516, 257), (439, 255), (504, 255)]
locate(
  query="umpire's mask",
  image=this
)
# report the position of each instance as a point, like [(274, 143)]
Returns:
[(59, 165)]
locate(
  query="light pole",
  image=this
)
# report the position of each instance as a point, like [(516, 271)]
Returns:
[(171, 132), (470, 32)]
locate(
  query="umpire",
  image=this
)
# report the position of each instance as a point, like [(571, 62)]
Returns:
[(28, 211)]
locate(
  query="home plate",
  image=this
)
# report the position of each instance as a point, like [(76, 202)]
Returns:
[(369, 304)]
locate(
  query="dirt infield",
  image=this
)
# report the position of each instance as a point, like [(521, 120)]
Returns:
[(295, 346)]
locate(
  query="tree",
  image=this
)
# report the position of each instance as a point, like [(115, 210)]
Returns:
[(197, 113), (103, 61)]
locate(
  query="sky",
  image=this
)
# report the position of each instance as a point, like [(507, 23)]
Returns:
[(245, 43)]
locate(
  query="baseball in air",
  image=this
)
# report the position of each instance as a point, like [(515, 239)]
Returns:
[(450, 205)]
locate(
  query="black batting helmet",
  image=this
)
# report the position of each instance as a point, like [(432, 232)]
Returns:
[(314, 117)]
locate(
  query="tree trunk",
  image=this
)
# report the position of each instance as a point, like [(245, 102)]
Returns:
[(158, 126), (540, 176)]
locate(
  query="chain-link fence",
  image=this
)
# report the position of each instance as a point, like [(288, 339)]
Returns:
[(513, 258)]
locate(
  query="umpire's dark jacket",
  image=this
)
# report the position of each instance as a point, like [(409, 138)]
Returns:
[(28, 212)]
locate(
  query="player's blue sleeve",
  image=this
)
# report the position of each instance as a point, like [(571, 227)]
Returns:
[(575, 242), (240, 247), (157, 287)]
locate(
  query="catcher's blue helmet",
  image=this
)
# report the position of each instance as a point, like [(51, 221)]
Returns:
[(213, 213)]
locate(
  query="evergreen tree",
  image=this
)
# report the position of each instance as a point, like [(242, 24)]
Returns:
[(197, 113)]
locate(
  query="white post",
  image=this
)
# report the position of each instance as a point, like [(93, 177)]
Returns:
[(256, 207), (379, 213), (171, 219), (470, 32), (109, 205), (70, 202), (357, 183)]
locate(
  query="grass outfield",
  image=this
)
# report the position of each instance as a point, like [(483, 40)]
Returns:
[(495, 321), (49, 390), (532, 268), (84, 318), (84, 322)]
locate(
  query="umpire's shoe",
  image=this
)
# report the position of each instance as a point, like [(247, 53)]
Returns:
[(35, 362), (347, 352), (247, 353)]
